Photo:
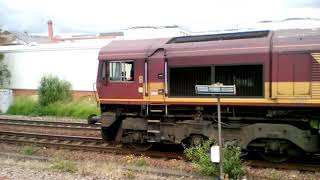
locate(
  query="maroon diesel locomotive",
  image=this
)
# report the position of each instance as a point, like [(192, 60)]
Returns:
[(146, 90)]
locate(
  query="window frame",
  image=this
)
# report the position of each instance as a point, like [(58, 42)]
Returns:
[(120, 61)]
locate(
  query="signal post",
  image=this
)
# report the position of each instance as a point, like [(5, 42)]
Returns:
[(217, 89)]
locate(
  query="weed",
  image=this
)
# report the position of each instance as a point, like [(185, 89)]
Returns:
[(64, 166), (87, 169), (28, 150), (274, 175), (232, 164), (200, 157), (129, 174), (138, 161), (61, 164)]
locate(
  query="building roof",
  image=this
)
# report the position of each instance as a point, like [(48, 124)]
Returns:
[(25, 38)]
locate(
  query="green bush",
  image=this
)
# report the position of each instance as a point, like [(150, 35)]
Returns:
[(232, 164), (200, 157), (4, 73), (52, 89)]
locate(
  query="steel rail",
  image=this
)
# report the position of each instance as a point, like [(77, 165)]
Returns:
[(286, 166), (78, 143), (50, 124)]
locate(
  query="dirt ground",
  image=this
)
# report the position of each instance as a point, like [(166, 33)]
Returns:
[(32, 169), (94, 165)]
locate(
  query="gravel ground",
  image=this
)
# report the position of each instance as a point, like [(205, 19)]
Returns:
[(95, 165), (36, 170), (74, 155)]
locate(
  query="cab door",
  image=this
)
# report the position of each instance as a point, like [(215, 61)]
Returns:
[(120, 81), (156, 78)]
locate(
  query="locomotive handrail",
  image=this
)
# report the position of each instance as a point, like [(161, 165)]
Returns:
[(165, 68), (154, 52), (146, 77), (96, 96)]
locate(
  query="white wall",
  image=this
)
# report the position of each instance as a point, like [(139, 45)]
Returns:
[(74, 62)]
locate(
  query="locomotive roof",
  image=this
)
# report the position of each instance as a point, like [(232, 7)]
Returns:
[(130, 49), (215, 44)]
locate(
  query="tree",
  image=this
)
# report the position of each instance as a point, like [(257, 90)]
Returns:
[(6, 37), (4, 73)]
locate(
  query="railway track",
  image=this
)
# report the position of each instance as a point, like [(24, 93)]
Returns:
[(97, 144), (284, 166), (49, 124), (77, 143)]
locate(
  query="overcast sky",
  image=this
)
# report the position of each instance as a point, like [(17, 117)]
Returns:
[(110, 15)]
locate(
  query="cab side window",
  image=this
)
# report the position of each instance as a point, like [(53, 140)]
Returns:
[(121, 71)]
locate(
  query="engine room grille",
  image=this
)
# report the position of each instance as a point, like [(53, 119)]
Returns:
[(183, 80), (247, 78)]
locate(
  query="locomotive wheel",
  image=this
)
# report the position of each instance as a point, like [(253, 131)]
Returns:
[(90, 120), (141, 146), (106, 134), (193, 140), (274, 157)]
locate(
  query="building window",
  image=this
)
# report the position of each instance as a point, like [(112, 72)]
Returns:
[(121, 71)]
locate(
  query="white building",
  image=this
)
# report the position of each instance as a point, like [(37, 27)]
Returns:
[(74, 62), (72, 59)]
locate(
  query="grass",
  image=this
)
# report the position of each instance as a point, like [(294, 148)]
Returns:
[(23, 106), (129, 175), (64, 166), (137, 160), (30, 107), (61, 164), (28, 150), (140, 162)]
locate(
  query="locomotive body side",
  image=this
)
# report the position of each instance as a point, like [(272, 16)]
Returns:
[(146, 91)]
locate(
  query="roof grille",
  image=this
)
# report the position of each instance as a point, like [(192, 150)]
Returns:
[(219, 37)]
